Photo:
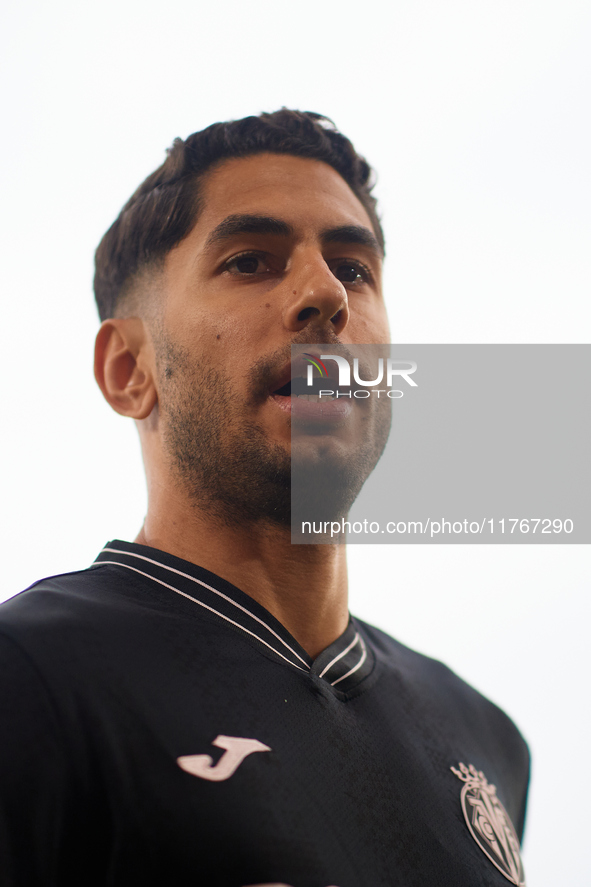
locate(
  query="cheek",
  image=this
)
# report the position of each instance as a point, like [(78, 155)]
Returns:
[(203, 334), (382, 326), (239, 335), (372, 330)]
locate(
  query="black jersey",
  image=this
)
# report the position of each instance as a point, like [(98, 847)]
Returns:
[(159, 727)]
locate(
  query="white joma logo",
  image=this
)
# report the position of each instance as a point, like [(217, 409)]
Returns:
[(236, 750)]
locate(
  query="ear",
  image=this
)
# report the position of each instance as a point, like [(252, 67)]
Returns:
[(124, 367)]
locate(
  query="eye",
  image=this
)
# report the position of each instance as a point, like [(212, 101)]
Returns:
[(247, 265), (351, 272)]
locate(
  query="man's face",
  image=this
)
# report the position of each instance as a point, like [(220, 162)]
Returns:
[(283, 253)]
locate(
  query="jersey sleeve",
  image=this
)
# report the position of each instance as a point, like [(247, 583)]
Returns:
[(33, 774), (525, 782)]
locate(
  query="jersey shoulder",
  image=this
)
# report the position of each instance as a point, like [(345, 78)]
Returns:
[(73, 595), (59, 618), (459, 717), (436, 685)]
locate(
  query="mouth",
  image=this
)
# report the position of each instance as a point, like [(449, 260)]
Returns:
[(299, 388), (321, 402)]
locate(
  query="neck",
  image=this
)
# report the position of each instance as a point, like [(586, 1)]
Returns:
[(303, 586)]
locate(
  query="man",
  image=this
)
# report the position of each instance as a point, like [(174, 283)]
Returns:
[(198, 707)]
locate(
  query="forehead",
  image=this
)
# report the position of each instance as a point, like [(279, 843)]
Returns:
[(306, 193)]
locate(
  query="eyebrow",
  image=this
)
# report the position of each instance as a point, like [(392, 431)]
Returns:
[(353, 234), (234, 225)]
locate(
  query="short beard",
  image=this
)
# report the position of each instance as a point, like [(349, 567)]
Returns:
[(227, 466)]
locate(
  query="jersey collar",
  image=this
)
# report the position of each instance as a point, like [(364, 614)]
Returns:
[(342, 666)]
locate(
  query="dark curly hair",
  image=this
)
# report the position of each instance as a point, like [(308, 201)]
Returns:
[(164, 208)]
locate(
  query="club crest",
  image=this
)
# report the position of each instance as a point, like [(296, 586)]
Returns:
[(489, 823)]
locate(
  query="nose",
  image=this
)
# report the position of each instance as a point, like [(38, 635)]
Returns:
[(316, 298)]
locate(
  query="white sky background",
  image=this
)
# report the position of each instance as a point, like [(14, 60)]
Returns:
[(476, 115)]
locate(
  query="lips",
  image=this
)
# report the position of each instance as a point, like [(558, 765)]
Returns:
[(292, 380), (299, 388), (292, 394), (292, 372), (314, 409)]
